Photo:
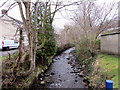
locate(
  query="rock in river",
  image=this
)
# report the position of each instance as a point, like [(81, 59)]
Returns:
[(42, 82)]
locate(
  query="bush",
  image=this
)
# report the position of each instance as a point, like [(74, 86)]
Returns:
[(85, 53), (63, 48), (46, 36), (82, 50), (49, 48), (97, 44)]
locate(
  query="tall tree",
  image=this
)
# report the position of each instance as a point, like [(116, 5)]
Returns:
[(46, 39), (93, 19), (34, 22), (31, 26)]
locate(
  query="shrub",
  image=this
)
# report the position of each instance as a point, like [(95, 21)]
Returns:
[(86, 54), (97, 44), (46, 36), (48, 50), (82, 51)]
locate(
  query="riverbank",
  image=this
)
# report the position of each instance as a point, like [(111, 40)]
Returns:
[(8, 63), (105, 68), (63, 48), (7, 79)]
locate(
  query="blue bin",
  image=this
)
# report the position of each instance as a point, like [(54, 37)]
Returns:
[(109, 85)]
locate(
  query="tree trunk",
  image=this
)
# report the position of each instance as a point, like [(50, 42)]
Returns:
[(29, 30), (20, 52)]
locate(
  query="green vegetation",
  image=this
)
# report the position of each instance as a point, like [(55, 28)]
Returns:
[(20, 82), (46, 36), (26, 82), (9, 56), (86, 52), (105, 68), (3, 57), (46, 49), (98, 67), (63, 48)]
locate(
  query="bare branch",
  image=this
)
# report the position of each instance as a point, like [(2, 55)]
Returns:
[(11, 6), (62, 7), (21, 11), (4, 3)]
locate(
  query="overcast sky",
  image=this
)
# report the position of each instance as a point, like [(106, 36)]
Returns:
[(62, 18)]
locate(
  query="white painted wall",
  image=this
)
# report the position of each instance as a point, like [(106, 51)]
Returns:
[(110, 44), (7, 30)]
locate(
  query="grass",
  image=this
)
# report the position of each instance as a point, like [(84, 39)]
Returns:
[(3, 57), (106, 67), (13, 55)]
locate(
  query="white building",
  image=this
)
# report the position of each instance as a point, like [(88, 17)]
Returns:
[(9, 28)]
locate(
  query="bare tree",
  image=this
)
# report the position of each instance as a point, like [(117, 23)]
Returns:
[(94, 19)]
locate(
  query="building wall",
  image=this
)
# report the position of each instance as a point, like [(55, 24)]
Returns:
[(7, 30), (109, 43)]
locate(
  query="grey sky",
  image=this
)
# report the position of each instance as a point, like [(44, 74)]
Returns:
[(61, 18)]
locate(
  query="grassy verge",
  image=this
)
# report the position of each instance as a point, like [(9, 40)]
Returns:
[(9, 57), (105, 68), (3, 57)]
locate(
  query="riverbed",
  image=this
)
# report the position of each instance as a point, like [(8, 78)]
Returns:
[(63, 73)]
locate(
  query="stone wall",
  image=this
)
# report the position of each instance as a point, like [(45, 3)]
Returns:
[(110, 43)]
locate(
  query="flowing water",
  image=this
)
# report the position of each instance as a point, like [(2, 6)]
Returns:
[(63, 73)]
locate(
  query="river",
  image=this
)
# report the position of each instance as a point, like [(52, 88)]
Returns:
[(63, 73)]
